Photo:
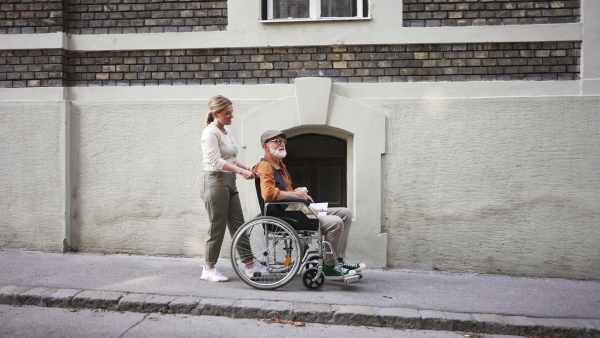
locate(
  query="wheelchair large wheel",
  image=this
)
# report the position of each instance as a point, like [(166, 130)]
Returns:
[(271, 242)]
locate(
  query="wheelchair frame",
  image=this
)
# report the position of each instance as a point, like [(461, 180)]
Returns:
[(272, 241)]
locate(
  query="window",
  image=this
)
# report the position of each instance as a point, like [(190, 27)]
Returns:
[(318, 162), (283, 10)]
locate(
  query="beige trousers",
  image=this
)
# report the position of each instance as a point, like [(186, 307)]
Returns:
[(335, 226)]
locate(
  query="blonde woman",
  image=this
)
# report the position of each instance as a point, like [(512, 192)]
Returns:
[(219, 192)]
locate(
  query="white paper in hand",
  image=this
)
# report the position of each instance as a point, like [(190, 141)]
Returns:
[(320, 207)]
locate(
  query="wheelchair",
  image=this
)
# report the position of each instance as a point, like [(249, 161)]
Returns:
[(280, 241)]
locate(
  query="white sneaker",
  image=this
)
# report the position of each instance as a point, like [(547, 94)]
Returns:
[(257, 270), (213, 275)]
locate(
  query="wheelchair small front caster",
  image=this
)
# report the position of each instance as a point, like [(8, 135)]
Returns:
[(312, 283)]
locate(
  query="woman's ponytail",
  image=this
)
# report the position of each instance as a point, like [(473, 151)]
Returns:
[(209, 118)]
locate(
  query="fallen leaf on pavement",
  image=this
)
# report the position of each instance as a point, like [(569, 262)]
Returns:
[(274, 319)]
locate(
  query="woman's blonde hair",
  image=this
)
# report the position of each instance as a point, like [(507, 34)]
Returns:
[(215, 105)]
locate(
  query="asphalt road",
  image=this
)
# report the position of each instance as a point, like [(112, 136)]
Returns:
[(39, 322)]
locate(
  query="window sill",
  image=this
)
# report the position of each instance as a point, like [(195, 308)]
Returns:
[(291, 20)]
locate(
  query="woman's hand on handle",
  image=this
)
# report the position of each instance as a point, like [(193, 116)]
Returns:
[(247, 174)]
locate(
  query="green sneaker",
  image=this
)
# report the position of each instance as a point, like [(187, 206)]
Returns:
[(356, 267), (338, 273)]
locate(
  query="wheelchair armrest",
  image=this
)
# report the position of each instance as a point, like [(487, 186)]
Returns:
[(293, 200)]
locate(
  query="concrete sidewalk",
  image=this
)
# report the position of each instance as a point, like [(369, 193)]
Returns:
[(394, 298)]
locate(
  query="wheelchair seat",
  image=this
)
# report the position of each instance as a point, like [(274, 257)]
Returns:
[(296, 218)]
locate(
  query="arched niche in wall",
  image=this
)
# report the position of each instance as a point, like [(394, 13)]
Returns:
[(315, 110)]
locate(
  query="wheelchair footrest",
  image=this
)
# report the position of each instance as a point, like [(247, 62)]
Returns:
[(352, 279)]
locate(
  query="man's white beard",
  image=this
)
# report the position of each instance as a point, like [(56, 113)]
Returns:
[(278, 153)]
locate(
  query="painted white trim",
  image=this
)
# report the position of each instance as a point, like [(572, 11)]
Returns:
[(590, 49), (300, 34), (65, 173), (33, 41), (590, 87), (154, 93), (314, 9), (33, 94), (313, 34), (270, 9), (313, 20), (398, 90), (476, 89), (362, 126)]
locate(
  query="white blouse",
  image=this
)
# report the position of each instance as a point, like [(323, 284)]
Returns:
[(217, 148)]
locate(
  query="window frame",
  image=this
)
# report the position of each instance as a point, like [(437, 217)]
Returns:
[(362, 6)]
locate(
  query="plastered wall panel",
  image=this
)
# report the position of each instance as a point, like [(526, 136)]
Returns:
[(494, 185), (138, 177), (30, 177)]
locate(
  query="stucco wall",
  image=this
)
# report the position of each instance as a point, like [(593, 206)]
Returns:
[(482, 184), (30, 184), (137, 175), (490, 185), (494, 185)]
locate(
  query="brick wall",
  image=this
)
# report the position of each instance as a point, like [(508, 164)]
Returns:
[(33, 68), (436, 13), (111, 16), (394, 63), (31, 16), (145, 16), (353, 64)]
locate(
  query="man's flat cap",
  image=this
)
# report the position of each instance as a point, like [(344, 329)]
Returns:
[(271, 134)]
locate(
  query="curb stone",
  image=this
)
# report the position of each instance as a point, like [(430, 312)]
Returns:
[(313, 313), (462, 321), (157, 303), (61, 298), (185, 305), (355, 315), (399, 317), (35, 296), (8, 294), (133, 302), (436, 320), (107, 300), (283, 310), (216, 307), (249, 308), (306, 312)]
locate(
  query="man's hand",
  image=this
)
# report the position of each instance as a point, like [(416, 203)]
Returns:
[(303, 195), (295, 194)]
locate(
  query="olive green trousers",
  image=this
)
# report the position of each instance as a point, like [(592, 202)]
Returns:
[(222, 202)]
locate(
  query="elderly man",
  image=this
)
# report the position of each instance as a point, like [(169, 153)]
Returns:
[(276, 184)]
